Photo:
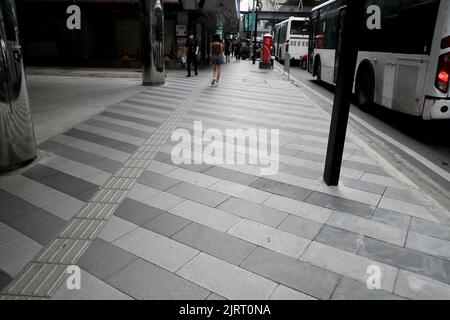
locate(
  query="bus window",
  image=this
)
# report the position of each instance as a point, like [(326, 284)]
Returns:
[(299, 27), (417, 25)]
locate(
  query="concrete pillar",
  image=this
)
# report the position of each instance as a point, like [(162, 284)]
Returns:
[(152, 42), (17, 142)]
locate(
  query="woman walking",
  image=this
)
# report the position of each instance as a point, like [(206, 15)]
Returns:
[(216, 58)]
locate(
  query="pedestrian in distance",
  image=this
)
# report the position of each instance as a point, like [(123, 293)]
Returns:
[(233, 47), (237, 51), (217, 50), (272, 56), (227, 49), (191, 54)]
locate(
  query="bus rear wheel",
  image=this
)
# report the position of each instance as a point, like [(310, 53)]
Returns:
[(364, 87), (319, 72)]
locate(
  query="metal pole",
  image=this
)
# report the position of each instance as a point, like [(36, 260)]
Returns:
[(254, 40), (254, 25), (152, 42), (343, 93)]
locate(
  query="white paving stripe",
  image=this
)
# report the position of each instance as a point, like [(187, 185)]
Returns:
[(371, 228), (87, 146), (202, 214), (348, 264), (157, 249), (110, 134), (298, 208), (406, 208), (240, 191), (226, 279), (270, 238), (124, 123), (429, 245)]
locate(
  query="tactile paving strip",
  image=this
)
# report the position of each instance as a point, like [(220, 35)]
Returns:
[(45, 273)]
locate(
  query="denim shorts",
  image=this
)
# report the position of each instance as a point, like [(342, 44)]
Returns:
[(216, 59)]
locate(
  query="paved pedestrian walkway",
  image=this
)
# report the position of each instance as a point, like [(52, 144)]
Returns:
[(106, 196)]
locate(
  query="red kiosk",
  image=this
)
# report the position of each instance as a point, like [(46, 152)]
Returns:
[(264, 63)]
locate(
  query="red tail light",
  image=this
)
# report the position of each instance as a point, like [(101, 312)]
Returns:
[(443, 76), (443, 73)]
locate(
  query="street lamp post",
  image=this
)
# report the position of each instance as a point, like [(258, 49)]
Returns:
[(257, 6)]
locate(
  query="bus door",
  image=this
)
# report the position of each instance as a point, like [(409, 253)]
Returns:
[(409, 85), (340, 25)]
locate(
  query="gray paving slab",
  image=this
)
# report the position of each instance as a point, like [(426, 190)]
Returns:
[(67, 184), (339, 238), (192, 167), (363, 185), (7, 233), (71, 153), (391, 217), (125, 106), (103, 259), (349, 289), (162, 157), (157, 181), (143, 280), (16, 253), (252, 211), (414, 261), (414, 286), (192, 192), (106, 164), (145, 122), (311, 156), (38, 225), (293, 273), (230, 175), (341, 204), (137, 212), (92, 288), (13, 206), (301, 171), (430, 228), (87, 194), (402, 195), (39, 172), (214, 296), (99, 139), (287, 151), (53, 146), (429, 245), (282, 189), (118, 128), (5, 279), (216, 243), (364, 167), (301, 227), (167, 224), (163, 94), (149, 104)]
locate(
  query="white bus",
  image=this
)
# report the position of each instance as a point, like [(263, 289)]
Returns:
[(403, 66), (291, 35)]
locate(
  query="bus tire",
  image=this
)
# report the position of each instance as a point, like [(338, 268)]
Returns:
[(318, 70), (364, 85)]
